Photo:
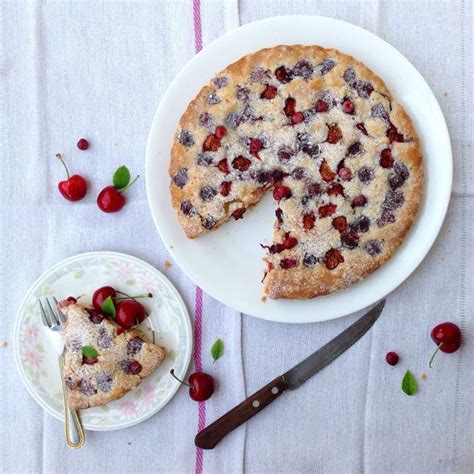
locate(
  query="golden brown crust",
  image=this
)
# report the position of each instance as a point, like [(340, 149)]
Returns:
[(346, 79)]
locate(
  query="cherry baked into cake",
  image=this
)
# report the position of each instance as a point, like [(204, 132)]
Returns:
[(103, 361), (321, 132)]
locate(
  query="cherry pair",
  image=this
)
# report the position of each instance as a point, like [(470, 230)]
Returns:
[(127, 310), (74, 188)]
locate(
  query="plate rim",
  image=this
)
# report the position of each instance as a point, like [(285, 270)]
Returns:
[(443, 131), (30, 293)]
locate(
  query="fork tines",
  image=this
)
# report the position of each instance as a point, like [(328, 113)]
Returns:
[(50, 314)]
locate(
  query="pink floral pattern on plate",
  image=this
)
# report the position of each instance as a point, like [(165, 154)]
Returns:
[(81, 275)]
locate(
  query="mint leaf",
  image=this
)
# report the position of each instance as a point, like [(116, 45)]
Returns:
[(108, 307), (409, 383), (89, 352), (217, 349), (121, 177)]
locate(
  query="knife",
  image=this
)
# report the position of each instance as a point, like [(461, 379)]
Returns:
[(294, 378)]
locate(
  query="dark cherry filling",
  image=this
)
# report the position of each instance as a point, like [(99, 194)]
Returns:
[(186, 138), (309, 220), (287, 263), (327, 210), (340, 223), (334, 134), (332, 259), (326, 172)]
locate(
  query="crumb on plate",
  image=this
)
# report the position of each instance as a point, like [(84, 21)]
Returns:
[(167, 264)]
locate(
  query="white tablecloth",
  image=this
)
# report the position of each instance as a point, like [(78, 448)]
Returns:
[(98, 69)]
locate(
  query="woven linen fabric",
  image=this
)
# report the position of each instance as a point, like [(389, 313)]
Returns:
[(98, 69)]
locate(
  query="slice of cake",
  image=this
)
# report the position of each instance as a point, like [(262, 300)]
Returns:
[(103, 362)]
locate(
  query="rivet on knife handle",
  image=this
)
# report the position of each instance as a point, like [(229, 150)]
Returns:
[(211, 435)]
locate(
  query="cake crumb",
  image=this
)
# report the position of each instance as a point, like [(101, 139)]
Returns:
[(264, 299), (3, 344), (423, 376), (167, 264)]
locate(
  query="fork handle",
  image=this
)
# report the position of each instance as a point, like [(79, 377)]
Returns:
[(72, 423)]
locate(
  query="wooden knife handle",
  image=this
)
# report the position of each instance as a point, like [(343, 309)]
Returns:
[(211, 435)]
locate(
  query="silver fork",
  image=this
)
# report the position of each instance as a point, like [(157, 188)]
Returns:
[(53, 318)]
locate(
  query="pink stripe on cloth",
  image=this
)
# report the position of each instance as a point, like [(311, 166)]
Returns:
[(198, 368), (197, 25), (198, 295), (198, 329)]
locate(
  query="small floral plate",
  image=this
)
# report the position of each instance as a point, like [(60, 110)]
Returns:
[(168, 323)]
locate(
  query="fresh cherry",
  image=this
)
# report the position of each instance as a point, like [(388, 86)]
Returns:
[(392, 358), (201, 385), (83, 144), (447, 337), (75, 187), (128, 313), (100, 295), (110, 200)]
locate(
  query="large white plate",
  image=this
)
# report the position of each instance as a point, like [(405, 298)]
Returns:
[(227, 263), (81, 275)]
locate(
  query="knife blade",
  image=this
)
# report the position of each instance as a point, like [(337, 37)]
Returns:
[(310, 366), (293, 378)]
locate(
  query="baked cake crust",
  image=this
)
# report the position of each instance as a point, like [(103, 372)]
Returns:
[(292, 108)]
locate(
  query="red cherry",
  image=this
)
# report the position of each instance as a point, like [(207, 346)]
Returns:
[(238, 213), (220, 131), (201, 385), (348, 106), (392, 358), (321, 106), (83, 144), (297, 118), (129, 313), (447, 337), (386, 159), (110, 200), (281, 192), (86, 360), (74, 188), (100, 295)]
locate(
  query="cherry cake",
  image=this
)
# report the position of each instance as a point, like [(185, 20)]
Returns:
[(321, 132), (120, 359)]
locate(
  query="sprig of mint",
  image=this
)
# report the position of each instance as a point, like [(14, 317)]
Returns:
[(409, 383), (89, 352), (108, 307), (217, 349), (121, 178)]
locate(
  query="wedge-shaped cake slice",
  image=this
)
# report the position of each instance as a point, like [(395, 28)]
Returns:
[(103, 362)]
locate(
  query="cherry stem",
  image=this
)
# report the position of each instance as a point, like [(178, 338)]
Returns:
[(434, 353), (60, 158), (144, 295), (180, 381), (129, 184)]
